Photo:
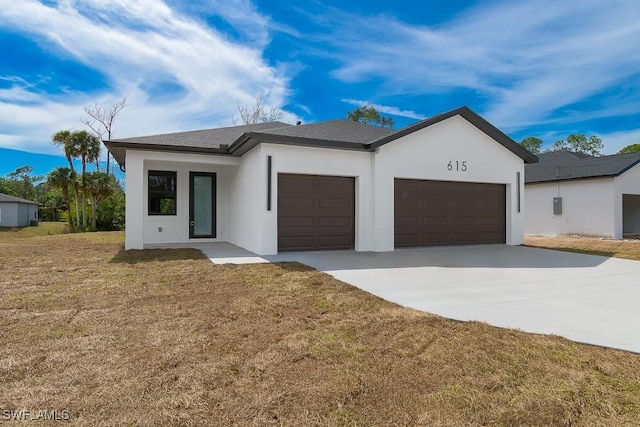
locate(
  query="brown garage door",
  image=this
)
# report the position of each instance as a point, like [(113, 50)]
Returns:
[(431, 213), (315, 212)]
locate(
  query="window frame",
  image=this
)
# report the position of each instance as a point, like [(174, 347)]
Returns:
[(158, 193)]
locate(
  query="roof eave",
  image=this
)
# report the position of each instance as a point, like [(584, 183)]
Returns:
[(576, 178), (250, 139), (628, 167), (111, 145)]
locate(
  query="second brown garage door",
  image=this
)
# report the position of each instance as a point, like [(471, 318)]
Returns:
[(315, 212), (431, 213)]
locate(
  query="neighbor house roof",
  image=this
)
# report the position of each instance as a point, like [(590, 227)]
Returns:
[(12, 199), (339, 134), (565, 165)]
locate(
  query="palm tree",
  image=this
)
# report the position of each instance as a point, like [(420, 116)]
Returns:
[(100, 186), (87, 147), (65, 139), (62, 178)]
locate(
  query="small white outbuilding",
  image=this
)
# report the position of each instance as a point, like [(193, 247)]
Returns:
[(17, 212)]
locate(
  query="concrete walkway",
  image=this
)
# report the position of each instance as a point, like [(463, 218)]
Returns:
[(585, 298)]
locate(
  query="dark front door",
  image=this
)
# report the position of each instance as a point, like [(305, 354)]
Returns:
[(432, 213), (202, 205)]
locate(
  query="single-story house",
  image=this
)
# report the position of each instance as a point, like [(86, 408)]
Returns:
[(17, 212), (271, 187), (573, 193)]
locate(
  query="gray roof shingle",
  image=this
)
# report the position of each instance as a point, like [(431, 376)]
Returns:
[(565, 165), (206, 138), (12, 199), (335, 130)]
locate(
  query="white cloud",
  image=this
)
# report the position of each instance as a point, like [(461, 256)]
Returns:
[(138, 46), (615, 141), (395, 111), (529, 59)]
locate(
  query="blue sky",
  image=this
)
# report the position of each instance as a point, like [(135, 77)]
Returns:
[(543, 68)]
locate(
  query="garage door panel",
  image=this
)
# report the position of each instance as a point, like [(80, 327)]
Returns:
[(409, 191), (333, 242), (436, 205), (295, 243), (296, 221), (315, 212), (337, 184), (490, 221), (297, 202), (296, 183), (297, 231), (333, 230), (448, 213), (434, 223), (335, 221), (434, 239), (407, 221), (342, 203), (407, 210), (408, 240)]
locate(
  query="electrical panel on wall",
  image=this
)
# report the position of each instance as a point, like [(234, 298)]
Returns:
[(557, 205)]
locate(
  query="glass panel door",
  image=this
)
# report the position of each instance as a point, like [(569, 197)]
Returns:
[(202, 205)]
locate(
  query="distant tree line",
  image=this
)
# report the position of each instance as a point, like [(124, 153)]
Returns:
[(60, 195), (87, 200), (577, 143)]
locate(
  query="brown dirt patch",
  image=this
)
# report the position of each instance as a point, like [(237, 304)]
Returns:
[(167, 338), (628, 248)]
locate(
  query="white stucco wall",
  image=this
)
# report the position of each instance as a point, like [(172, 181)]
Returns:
[(426, 153), (142, 228), (320, 161), (248, 202), (588, 207)]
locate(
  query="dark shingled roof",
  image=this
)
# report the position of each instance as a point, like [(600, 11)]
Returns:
[(12, 199), (338, 134), (565, 165), (206, 138), (335, 130)]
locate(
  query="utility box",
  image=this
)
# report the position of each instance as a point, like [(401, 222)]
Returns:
[(557, 205)]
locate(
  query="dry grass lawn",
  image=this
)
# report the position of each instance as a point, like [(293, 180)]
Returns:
[(164, 337), (629, 249)]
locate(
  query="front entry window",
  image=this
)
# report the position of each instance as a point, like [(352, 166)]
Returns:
[(162, 193)]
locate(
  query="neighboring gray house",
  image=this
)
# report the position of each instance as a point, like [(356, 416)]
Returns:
[(573, 193), (17, 212)]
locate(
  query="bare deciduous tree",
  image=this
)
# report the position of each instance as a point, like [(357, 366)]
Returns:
[(102, 119), (258, 113)]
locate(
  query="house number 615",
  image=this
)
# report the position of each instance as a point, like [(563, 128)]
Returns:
[(457, 166)]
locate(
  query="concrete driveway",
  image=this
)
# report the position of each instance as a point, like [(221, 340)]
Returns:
[(585, 298)]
